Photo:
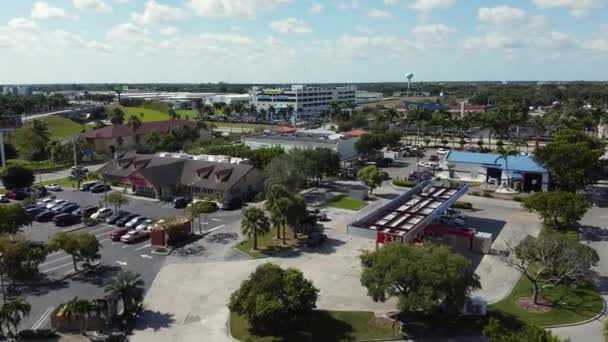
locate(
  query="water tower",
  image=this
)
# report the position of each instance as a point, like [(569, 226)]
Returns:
[(409, 77)]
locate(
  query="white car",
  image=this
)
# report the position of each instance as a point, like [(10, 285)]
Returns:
[(134, 235), (54, 187), (422, 163), (45, 201), (144, 225), (54, 203), (135, 222), (102, 214), (443, 151), (455, 213)]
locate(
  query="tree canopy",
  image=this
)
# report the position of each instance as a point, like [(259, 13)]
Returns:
[(272, 297), (12, 218), (254, 223), (117, 199), (371, 176), (558, 209), (17, 177), (421, 277), (572, 158)]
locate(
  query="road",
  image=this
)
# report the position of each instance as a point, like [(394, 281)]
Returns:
[(26, 118), (60, 174), (115, 256)]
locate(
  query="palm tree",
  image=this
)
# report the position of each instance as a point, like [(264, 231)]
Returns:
[(539, 126), (277, 203), (12, 313), (271, 111), (296, 213), (254, 223), (78, 309), (127, 286), (134, 122), (117, 120)]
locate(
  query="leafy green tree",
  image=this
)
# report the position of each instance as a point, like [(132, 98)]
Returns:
[(283, 171), (118, 116), (20, 259), (278, 201), (371, 176), (12, 218), (254, 223), (11, 315), (551, 260), (127, 286), (272, 297), (117, 199), (17, 177), (496, 331), (422, 277), (558, 209), (173, 114), (81, 246), (296, 213), (33, 140), (572, 158)]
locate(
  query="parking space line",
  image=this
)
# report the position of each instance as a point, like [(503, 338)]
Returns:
[(104, 240), (54, 261), (42, 318), (102, 228), (216, 219), (142, 247), (57, 267)]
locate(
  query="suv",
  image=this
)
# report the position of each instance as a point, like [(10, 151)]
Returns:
[(87, 186), (127, 218), (63, 220), (316, 239), (100, 188), (180, 202), (116, 217)]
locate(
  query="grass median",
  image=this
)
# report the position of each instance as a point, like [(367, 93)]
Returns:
[(269, 245), (345, 202), (322, 325)]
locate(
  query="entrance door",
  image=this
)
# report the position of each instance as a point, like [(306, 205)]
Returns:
[(533, 182), (494, 173)]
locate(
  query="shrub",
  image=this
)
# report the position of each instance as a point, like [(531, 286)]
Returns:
[(37, 334), (475, 193), (462, 205), (89, 221), (404, 183), (518, 198), (487, 195)]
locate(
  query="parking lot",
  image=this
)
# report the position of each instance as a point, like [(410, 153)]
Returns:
[(115, 256)]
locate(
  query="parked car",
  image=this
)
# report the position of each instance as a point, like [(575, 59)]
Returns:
[(100, 188), (452, 221), (45, 215), (60, 206), (443, 151), (385, 162), (316, 239), (66, 219), (455, 213), (423, 163), (134, 236), (17, 195), (34, 211), (117, 216), (233, 204), (54, 203), (54, 187), (89, 210), (4, 199), (433, 158), (102, 213), (180, 202), (127, 218), (39, 191), (87, 186), (44, 202), (135, 222), (118, 233), (144, 225), (70, 208)]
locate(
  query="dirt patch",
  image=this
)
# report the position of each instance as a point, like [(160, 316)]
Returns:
[(527, 304)]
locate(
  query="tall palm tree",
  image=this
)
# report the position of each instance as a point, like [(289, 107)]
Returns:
[(117, 120), (296, 213), (254, 223), (278, 200), (272, 111), (12, 313), (127, 286), (78, 309), (134, 122)]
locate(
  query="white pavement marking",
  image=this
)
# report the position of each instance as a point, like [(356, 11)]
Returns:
[(104, 240), (216, 228), (100, 229), (54, 261), (205, 223), (142, 247), (146, 256), (43, 318), (57, 267), (121, 263), (216, 219)]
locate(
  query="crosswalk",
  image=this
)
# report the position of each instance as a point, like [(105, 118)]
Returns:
[(60, 263)]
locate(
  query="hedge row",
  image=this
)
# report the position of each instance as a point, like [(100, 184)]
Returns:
[(404, 183), (462, 205)]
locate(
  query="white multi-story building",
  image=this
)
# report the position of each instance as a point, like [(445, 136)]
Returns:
[(307, 101), (228, 99)]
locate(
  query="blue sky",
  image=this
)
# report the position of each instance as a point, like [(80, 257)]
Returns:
[(281, 41)]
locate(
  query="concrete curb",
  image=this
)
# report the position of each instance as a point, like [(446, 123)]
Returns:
[(579, 323), (247, 255)]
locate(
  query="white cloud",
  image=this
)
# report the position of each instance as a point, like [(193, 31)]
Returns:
[(578, 8), (155, 13), (378, 14), (290, 25), (316, 8), (231, 8), (220, 38), (21, 23), (169, 31), (98, 6), (364, 29), (432, 35), (431, 5), (132, 37), (502, 15), (350, 47), (42, 10), (348, 5), (391, 2)]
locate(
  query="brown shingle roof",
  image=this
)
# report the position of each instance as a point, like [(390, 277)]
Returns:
[(116, 131)]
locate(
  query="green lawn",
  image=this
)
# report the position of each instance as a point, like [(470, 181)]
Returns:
[(268, 245), (345, 202), (323, 326), (64, 182), (59, 127), (570, 305)]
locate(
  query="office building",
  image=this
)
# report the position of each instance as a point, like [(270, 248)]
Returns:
[(17, 90), (307, 101), (228, 99)]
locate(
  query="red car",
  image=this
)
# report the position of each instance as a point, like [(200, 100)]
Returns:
[(16, 195), (118, 233)]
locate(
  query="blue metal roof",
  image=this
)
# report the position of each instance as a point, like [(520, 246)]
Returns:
[(516, 163)]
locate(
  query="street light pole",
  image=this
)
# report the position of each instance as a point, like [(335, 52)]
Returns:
[(2, 282)]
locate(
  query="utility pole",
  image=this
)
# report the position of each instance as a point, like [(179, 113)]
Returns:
[(74, 150), (2, 149)]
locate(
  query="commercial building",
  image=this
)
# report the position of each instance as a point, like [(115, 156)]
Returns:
[(17, 90), (405, 218), (228, 99), (524, 173), (342, 144), (362, 96), (122, 137), (163, 177), (307, 101), (462, 109)]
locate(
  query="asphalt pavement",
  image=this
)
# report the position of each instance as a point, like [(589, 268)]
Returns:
[(116, 256)]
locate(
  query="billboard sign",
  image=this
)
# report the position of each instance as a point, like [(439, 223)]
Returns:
[(121, 88)]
